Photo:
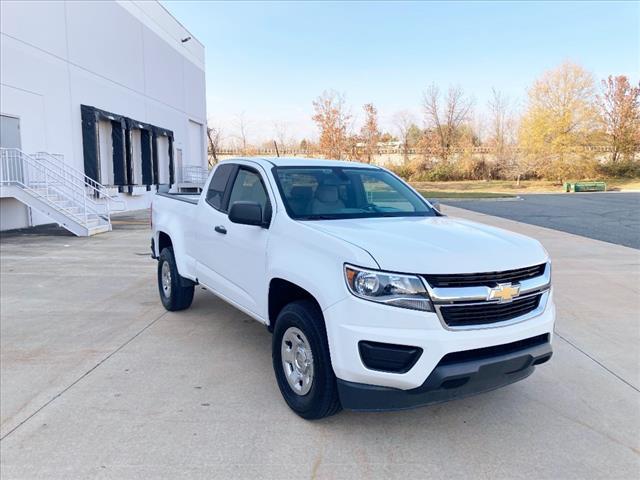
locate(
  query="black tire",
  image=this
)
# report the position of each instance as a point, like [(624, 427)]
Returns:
[(322, 399), (178, 296)]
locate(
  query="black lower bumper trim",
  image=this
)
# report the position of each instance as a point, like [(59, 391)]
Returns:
[(387, 357), (448, 381)]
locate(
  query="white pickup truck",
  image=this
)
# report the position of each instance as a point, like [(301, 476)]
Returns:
[(376, 300)]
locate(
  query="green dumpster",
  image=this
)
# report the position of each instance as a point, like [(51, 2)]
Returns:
[(590, 187), (584, 187)]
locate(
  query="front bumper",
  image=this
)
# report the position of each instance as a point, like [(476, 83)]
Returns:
[(353, 320), (449, 381)]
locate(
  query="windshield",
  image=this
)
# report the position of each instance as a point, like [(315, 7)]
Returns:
[(321, 193)]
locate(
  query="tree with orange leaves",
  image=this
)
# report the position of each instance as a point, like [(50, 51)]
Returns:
[(333, 119), (619, 105)]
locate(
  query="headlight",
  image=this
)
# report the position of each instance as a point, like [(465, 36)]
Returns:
[(406, 291)]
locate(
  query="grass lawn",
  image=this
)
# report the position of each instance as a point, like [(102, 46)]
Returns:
[(498, 188)]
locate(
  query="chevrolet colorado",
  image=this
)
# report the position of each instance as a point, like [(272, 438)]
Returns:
[(376, 300)]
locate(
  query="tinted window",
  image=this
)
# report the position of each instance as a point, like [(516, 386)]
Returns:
[(248, 187), (313, 193), (218, 184)]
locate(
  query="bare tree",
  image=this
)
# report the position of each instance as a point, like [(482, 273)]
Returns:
[(214, 135), (280, 132), (242, 126), (446, 119), (370, 132), (503, 136), (498, 105), (403, 121), (502, 124)]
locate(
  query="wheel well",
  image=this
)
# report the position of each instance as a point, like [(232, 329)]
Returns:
[(164, 241), (283, 292)]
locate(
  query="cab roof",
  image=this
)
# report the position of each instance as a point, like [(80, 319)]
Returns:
[(269, 162)]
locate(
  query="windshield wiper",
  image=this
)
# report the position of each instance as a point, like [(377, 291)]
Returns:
[(318, 217), (403, 214)]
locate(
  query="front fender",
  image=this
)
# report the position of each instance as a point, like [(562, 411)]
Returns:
[(313, 260)]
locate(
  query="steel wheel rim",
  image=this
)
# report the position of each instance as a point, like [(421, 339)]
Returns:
[(297, 360), (166, 279)]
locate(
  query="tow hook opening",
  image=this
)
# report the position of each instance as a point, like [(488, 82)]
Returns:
[(454, 383)]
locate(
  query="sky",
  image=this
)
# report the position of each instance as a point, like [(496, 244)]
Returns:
[(267, 61)]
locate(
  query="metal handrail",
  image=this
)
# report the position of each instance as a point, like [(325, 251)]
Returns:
[(73, 179), (97, 189), (54, 179), (18, 168)]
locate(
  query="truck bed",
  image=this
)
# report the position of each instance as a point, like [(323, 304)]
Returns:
[(183, 197)]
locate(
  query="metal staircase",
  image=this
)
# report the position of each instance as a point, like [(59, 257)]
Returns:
[(45, 183)]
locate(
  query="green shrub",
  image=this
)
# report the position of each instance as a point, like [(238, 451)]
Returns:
[(622, 169)]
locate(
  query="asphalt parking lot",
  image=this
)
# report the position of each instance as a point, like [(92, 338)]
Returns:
[(611, 217), (98, 380)]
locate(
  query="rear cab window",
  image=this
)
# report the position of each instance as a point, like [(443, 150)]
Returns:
[(218, 185)]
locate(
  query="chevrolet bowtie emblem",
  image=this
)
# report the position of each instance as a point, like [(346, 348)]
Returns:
[(504, 292)]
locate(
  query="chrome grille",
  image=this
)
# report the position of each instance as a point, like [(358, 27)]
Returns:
[(489, 279), (478, 314)]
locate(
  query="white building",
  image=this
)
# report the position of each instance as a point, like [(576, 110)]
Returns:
[(113, 89)]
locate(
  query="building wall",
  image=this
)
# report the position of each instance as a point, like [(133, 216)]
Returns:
[(123, 57), (13, 214)]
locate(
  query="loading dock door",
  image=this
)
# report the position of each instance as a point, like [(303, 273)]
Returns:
[(109, 146), (162, 144), (105, 152), (136, 157), (178, 166)]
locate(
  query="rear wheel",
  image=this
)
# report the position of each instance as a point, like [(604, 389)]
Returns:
[(174, 295), (301, 361)]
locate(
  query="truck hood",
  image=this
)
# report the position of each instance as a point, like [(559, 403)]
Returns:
[(436, 245)]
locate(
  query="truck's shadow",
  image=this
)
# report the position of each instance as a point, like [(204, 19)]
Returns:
[(252, 343)]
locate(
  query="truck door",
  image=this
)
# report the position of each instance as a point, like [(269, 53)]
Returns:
[(237, 265), (207, 239)]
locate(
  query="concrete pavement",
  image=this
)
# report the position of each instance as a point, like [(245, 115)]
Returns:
[(99, 381)]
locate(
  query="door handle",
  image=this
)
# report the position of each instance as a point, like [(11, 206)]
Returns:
[(221, 229)]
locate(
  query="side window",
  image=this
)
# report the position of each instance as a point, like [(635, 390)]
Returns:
[(218, 185), (248, 187)]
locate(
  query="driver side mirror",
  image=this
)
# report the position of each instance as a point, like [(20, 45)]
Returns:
[(247, 213)]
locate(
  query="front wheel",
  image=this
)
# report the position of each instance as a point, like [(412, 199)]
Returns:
[(301, 361), (173, 294)]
